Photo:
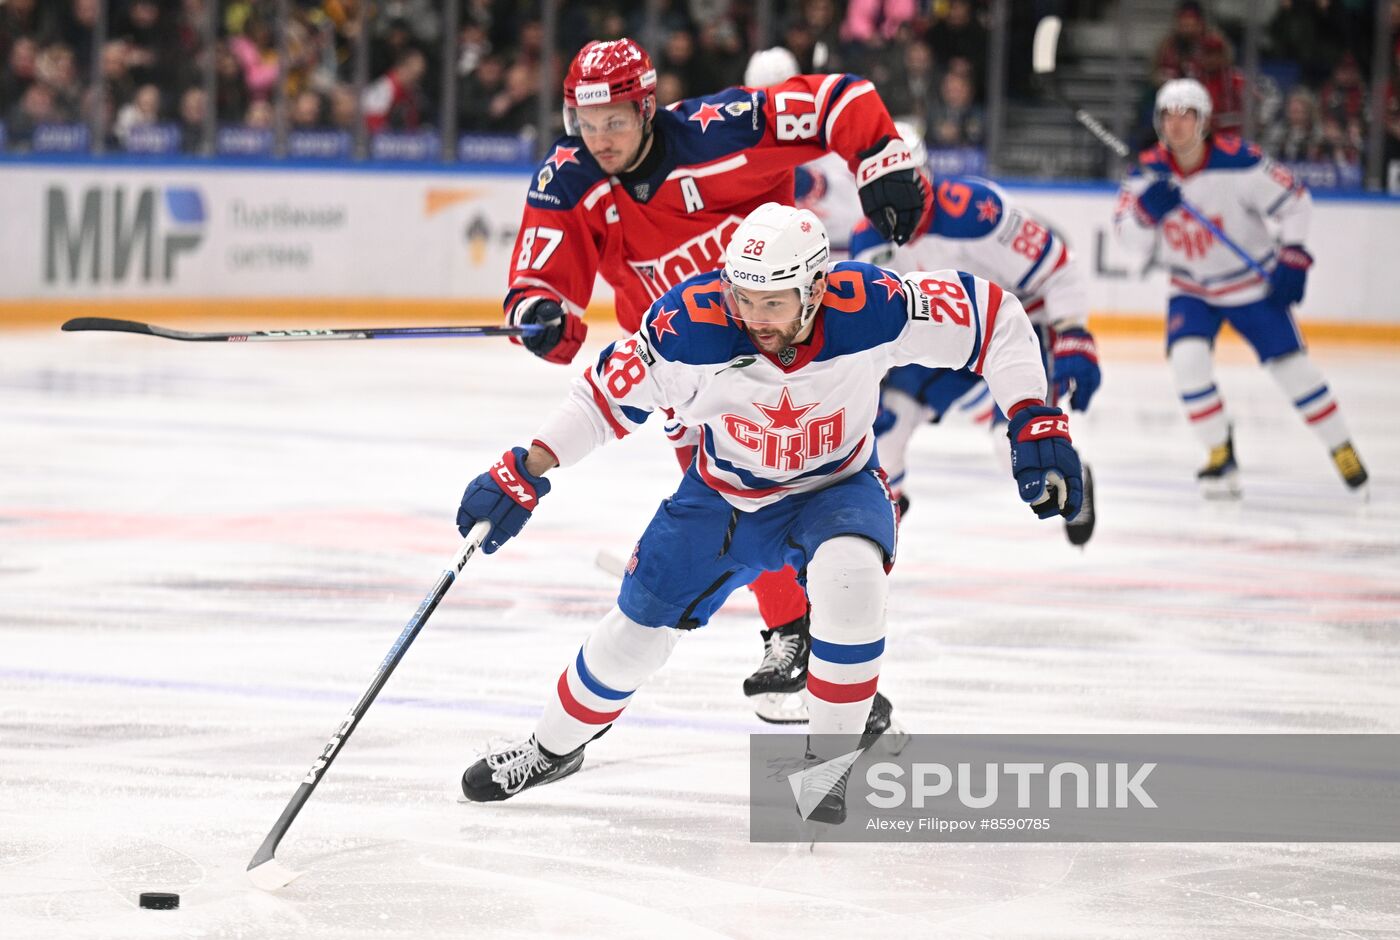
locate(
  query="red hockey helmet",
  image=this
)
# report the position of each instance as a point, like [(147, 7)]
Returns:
[(608, 72)]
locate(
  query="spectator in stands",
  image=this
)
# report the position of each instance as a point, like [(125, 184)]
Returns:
[(21, 71), (908, 91), (720, 45), (960, 36), (260, 115), (513, 107), (1340, 144), (143, 109), (1344, 95), (1178, 54), (476, 91), (57, 69), (876, 22), (343, 106), (257, 57), (307, 109), (35, 107), (820, 19), (151, 56), (678, 57), (230, 93), (1224, 82), (193, 107), (956, 120), (115, 72), (73, 26), (1297, 137), (669, 89), (395, 101)]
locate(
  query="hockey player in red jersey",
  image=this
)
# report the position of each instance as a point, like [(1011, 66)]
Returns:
[(648, 198)]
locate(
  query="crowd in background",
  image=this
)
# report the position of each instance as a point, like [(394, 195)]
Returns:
[(1313, 103), (927, 57)]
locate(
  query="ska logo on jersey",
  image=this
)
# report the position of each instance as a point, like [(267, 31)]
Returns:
[(789, 438)]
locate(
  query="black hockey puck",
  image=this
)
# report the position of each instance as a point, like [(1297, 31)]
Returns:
[(159, 900)]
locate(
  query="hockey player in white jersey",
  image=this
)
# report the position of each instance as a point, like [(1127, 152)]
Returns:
[(776, 360), (1264, 210), (976, 227)]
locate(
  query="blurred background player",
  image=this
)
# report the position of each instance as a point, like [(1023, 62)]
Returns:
[(825, 186), (1264, 210), (647, 198), (975, 227), (786, 473)]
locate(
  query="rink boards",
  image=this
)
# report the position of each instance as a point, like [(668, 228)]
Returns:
[(193, 239)]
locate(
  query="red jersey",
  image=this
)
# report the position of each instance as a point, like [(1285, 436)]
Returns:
[(722, 156)]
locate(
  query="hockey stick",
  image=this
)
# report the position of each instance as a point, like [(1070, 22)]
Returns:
[(106, 324), (1043, 49), (264, 870)]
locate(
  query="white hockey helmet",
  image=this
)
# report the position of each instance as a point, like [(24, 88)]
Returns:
[(915, 142), (1183, 94), (768, 67), (779, 247)]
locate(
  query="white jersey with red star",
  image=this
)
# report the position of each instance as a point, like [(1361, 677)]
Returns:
[(774, 425), (1249, 197), (976, 227), (722, 156)]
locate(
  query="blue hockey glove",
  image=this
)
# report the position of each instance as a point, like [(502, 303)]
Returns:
[(893, 193), (1159, 199), (1077, 364), (1044, 461), (506, 494), (1290, 276)]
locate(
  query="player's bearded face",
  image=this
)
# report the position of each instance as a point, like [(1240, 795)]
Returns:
[(613, 134), (771, 318)]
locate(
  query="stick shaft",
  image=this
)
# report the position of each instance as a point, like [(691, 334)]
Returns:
[(110, 325), (267, 851)]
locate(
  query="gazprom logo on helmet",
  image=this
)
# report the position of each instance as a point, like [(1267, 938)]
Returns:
[(593, 93)]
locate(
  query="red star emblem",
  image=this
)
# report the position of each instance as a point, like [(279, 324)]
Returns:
[(888, 282), (784, 414), (988, 210), (661, 323), (707, 114), (563, 155)]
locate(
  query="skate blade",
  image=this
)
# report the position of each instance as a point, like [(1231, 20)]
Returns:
[(1225, 488), (780, 708)]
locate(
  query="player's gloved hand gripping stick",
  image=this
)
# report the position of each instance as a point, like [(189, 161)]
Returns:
[(1044, 462)]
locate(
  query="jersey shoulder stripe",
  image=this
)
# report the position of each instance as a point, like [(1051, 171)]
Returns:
[(1229, 152), (966, 207), (566, 174), (700, 130), (690, 324), (864, 308)]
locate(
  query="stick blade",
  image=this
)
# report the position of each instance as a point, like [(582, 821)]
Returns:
[(271, 875), (106, 324), (1044, 45)]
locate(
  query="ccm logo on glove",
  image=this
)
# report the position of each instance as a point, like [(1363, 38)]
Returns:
[(511, 483), (1042, 428)]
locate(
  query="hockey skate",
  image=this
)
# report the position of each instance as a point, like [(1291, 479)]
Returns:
[(824, 790), (1079, 529), (774, 686), (1351, 468), (502, 774), (1219, 478)]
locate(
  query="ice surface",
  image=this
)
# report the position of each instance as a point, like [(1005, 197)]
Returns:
[(205, 551)]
